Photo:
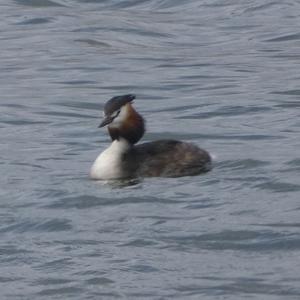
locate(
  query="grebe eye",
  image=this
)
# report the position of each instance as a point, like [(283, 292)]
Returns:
[(115, 114)]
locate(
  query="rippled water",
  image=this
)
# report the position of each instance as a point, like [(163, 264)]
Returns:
[(222, 74)]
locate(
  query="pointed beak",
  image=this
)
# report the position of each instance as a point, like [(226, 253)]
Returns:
[(107, 120)]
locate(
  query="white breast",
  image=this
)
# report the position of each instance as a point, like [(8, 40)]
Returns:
[(108, 163)]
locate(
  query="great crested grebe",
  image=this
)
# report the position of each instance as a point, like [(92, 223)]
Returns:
[(124, 159)]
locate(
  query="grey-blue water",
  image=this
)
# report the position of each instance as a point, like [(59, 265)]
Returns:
[(222, 74)]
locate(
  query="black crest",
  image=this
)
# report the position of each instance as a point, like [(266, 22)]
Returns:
[(116, 103)]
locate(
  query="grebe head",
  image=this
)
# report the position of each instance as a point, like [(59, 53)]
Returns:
[(122, 119)]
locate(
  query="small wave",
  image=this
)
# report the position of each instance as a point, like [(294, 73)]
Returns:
[(52, 225), (242, 240), (39, 3), (279, 186), (243, 164), (285, 38), (35, 21)]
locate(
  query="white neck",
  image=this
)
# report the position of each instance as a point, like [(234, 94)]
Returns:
[(108, 163)]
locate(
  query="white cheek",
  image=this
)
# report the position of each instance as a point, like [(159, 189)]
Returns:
[(120, 118)]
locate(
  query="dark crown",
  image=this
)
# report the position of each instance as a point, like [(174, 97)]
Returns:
[(116, 103)]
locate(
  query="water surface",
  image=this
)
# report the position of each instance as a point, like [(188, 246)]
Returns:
[(222, 74)]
